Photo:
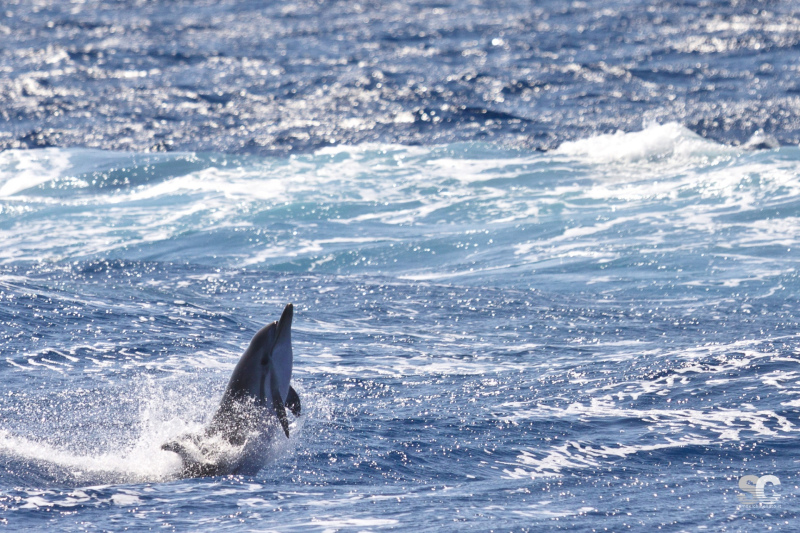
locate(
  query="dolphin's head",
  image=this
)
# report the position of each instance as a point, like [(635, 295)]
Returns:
[(266, 366)]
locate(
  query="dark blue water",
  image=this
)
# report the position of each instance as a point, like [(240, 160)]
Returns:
[(277, 77), (487, 336)]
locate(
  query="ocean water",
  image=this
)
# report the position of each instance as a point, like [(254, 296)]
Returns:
[(600, 336), (261, 77), (543, 261)]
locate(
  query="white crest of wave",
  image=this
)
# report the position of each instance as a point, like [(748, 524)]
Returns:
[(24, 169), (654, 142)]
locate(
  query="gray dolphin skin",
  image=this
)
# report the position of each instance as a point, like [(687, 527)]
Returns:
[(252, 412)]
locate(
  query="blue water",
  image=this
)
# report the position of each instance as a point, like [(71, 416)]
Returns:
[(510, 318), (260, 77)]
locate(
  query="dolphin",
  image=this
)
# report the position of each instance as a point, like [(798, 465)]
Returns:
[(252, 412)]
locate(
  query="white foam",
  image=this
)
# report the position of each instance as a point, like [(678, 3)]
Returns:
[(654, 142), (572, 455), (21, 170), (144, 462), (337, 523), (166, 412)]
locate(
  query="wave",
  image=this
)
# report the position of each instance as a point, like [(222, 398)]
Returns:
[(655, 142), (463, 212)]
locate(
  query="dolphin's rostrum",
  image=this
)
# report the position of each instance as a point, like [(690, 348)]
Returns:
[(252, 410)]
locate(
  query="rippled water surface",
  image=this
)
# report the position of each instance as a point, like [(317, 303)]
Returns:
[(601, 335), (507, 316), (250, 76)]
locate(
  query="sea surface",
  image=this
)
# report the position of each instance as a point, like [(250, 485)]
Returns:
[(571, 302)]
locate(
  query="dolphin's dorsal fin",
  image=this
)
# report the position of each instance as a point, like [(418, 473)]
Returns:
[(192, 466), (293, 402), (187, 457)]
